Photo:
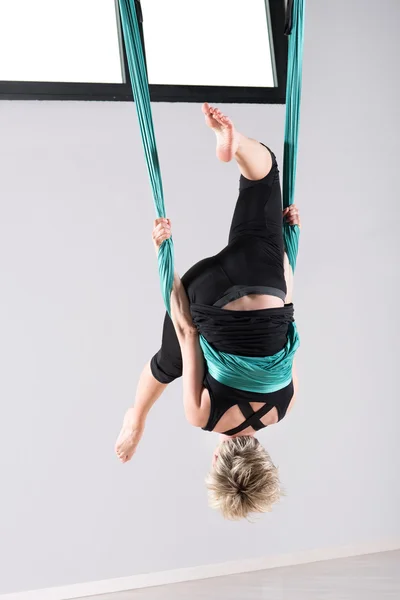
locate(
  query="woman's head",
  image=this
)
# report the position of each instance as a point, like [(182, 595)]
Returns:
[(243, 479)]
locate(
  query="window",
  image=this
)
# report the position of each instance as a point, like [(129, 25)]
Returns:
[(226, 51), (51, 40)]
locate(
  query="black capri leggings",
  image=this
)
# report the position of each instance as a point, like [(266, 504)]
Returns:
[(252, 262)]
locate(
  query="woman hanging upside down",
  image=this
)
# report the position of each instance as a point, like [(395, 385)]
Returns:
[(241, 300)]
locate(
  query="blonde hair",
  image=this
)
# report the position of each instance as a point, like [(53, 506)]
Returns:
[(244, 479)]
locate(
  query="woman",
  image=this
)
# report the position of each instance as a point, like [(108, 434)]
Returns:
[(241, 301)]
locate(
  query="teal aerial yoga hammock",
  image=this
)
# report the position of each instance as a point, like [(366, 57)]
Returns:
[(293, 96), (256, 374), (141, 94)]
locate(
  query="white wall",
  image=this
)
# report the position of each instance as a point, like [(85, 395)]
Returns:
[(81, 312)]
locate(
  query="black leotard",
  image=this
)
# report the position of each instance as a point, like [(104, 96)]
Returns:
[(252, 262)]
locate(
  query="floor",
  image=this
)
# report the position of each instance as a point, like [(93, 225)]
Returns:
[(370, 577)]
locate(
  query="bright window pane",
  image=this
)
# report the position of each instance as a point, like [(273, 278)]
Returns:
[(221, 43), (59, 40)]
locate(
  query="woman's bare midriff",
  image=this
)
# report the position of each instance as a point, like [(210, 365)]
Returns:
[(255, 302)]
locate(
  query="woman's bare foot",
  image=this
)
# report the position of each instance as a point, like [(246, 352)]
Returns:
[(129, 438), (227, 136)]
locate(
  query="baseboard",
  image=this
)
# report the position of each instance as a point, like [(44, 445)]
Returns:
[(123, 584)]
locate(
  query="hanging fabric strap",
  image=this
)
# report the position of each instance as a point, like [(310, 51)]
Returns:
[(294, 25), (141, 94)]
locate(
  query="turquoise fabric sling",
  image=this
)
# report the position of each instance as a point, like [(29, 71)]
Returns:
[(264, 374), (292, 121), (141, 94)]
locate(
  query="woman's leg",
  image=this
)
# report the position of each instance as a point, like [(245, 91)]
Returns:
[(254, 255), (253, 159), (148, 391)]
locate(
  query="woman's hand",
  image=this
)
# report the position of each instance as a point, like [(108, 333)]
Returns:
[(161, 232), (291, 215)]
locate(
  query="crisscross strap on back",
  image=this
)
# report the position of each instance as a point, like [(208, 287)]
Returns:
[(252, 418)]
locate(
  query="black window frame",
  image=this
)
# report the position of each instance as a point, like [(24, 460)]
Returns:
[(122, 92)]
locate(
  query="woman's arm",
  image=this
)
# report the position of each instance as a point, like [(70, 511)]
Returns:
[(193, 374), (192, 355), (188, 337)]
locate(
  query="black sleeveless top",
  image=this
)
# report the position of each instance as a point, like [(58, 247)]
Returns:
[(223, 397), (244, 333)]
